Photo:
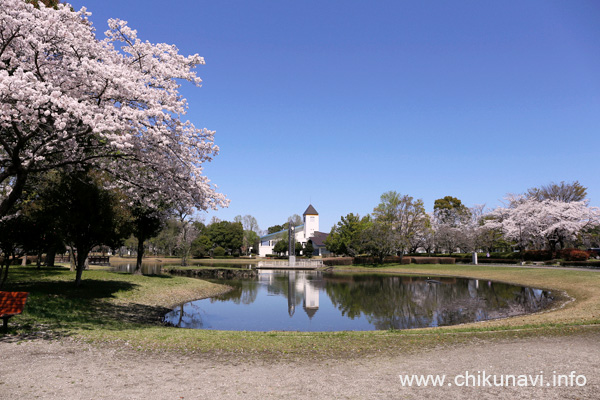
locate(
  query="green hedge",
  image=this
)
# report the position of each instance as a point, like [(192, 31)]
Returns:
[(387, 260), (509, 255), (588, 263), (463, 260), (447, 260), (425, 260), (512, 255), (332, 261), (407, 260), (485, 260)]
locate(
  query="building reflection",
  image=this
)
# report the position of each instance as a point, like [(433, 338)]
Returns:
[(300, 287)]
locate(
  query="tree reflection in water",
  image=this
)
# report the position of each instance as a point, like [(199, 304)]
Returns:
[(332, 301), (189, 315), (411, 302)]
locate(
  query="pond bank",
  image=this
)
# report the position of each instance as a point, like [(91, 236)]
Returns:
[(211, 273)]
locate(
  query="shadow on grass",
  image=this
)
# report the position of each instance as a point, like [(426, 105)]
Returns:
[(162, 276), (19, 273), (55, 307)]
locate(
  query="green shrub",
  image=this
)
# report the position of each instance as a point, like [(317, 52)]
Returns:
[(338, 261), (587, 263), (463, 260), (537, 255), (218, 251), (387, 260), (511, 255), (425, 260), (485, 260), (447, 260)]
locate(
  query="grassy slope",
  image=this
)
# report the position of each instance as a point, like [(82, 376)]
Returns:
[(124, 310)]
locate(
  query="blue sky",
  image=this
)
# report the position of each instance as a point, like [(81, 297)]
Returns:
[(337, 102)]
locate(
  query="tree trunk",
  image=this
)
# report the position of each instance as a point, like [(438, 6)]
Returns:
[(72, 260), (140, 256), (552, 247), (80, 265), (50, 256), (4, 271)]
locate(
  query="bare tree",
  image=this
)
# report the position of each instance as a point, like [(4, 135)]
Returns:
[(187, 233), (565, 192), (250, 223)]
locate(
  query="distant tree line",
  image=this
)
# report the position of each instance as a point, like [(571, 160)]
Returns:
[(74, 213), (554, 216), (183, 237)]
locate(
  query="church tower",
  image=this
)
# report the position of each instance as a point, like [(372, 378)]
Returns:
[(311, 222)]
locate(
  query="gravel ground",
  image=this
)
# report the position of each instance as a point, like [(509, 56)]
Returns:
[(63, 369)]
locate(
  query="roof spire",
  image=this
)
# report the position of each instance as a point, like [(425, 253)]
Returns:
[(310, 211)]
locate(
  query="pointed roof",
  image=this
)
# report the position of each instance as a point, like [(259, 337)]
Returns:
[(311, 311), (310, 211)]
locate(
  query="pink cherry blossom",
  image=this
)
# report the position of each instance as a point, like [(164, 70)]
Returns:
[(539, 222), (68, 98)]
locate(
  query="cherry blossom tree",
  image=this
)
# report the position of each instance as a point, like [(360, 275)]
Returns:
[(473, 233), (447, 238), (544, 222), (69, 99), (450, 217)]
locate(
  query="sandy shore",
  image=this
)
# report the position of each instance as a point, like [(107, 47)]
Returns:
[(64, 369)]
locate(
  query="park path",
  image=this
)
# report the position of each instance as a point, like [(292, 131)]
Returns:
[(52, 369)]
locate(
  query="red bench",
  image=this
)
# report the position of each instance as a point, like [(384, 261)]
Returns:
[(11, 304)]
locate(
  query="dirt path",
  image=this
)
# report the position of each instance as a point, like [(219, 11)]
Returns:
[(69, 370)]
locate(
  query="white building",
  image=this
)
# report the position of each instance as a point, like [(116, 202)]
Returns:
[(309, 230)]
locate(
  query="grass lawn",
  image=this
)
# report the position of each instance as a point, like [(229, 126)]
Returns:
[(124, 310)]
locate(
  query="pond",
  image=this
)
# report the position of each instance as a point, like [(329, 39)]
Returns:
[(318, 301)]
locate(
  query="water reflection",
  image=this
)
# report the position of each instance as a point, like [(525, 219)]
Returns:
[(316, 301), (147, 269)]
